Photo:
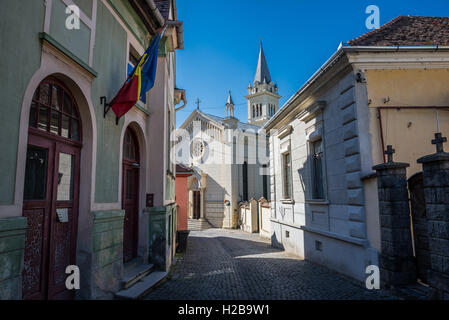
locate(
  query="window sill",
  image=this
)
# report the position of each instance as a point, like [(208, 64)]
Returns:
[(288, 201), (318, 202)]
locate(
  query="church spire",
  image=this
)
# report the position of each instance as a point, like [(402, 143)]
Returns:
[(230, 98), (262, 72), (230, 106)]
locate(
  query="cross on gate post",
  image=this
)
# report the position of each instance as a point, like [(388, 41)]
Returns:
[(390, 151), (438, 142)]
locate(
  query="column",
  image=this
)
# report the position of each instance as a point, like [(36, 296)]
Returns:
[(397, 265), (12, 246), (436, 190)]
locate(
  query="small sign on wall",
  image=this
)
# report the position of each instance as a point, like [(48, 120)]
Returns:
[(150, 200), (63, 215)]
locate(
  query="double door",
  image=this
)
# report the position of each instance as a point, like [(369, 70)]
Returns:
[(51, 200)]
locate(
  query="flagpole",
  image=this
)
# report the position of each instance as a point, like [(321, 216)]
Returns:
[(163, 31)]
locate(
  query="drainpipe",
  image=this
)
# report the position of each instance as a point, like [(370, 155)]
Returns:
[(179, 32), (182, 92), (155, 11)]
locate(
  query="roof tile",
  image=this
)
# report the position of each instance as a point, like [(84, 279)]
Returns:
[(407, 31)]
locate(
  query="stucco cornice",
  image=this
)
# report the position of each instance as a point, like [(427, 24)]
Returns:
[(410, 58), (261, 93), (363, 58)]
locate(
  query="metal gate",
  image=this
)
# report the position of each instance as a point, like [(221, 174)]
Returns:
[(419, 225)]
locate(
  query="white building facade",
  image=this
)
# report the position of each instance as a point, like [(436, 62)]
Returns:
[(230, 158), (320, 158)]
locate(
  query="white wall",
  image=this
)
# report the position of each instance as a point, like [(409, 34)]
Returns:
[(333, 231)]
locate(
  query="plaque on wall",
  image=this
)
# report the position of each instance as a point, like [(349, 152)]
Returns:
[(150, 200), (63, 215)]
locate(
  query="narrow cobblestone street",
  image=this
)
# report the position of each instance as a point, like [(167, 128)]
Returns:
[(230, 264)]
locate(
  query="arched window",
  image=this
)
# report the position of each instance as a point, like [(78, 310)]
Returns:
[(130, 150), (254, 111), (53, 109)]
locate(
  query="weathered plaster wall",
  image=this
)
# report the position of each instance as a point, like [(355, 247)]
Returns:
[(408, 130), (131, 19), (15, 60), (156, 134), (12, 244), (110, 63), (77, 41), (107, 256), (333, 231)]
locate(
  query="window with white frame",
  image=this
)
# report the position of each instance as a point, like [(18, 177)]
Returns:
[(133, 59)]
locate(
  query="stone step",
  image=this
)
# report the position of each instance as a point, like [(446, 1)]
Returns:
[(417, 291), (198, 225), (142, 287), (134, 273)]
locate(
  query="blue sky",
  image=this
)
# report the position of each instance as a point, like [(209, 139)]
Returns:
[(221, 40)]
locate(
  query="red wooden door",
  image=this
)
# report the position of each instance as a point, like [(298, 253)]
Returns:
[(51, 192), (37, 208), (130, 195), (51, 186)]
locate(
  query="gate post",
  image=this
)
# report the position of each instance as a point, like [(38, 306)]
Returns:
[(397, 265), (436, 189)]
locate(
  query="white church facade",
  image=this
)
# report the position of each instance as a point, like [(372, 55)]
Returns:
[(229, 157)]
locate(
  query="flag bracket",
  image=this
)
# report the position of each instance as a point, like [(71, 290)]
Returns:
[(107, 107)]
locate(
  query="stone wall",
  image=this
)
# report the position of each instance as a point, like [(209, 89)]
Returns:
[(162, 235), (249, 216), (397, 264), (436, 190), (107, 257), (264, 218), (12, 246)]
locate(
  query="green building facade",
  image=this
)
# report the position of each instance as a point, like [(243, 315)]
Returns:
[(77, 185)]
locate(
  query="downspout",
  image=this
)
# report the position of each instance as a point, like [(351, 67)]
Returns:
[(155, 11), (183, 98), (379, 116), (179, 31)]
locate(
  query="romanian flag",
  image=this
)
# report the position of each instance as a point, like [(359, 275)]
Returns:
[(139, 81)]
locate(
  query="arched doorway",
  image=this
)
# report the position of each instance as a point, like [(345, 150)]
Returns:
[(196, 198), (51, 191), (130, 194)]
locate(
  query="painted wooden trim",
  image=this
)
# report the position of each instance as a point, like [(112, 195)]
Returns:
[(84, 18), (123, 21), (93, 32), (48, 7)]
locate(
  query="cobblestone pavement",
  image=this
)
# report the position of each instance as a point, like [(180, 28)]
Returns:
[(230, 264)]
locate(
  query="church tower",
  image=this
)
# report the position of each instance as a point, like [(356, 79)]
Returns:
[(263, 98)]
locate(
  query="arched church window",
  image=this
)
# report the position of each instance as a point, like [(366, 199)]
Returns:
[(53, 109), (254, 111)]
